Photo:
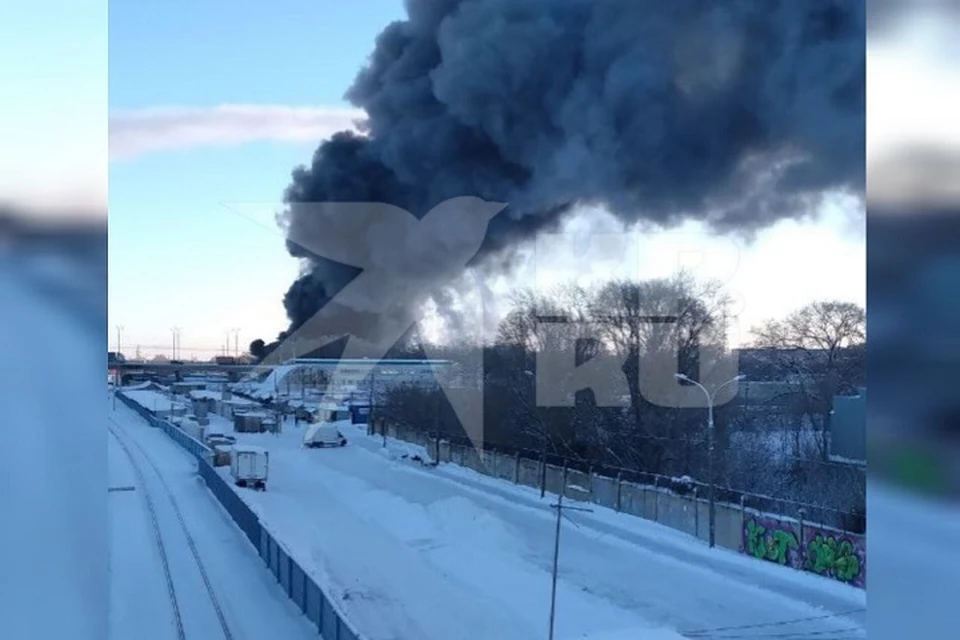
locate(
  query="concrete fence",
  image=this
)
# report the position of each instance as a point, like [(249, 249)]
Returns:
[(791, 541)]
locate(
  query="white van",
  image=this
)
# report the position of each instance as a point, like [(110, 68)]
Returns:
[(249, 465), (323, 434)]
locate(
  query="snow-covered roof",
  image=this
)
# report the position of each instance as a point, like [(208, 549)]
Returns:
[(144, 385), (152, 400), (253, 414), (203, 394)]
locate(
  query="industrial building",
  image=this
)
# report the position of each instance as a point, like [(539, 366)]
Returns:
[(356, 380)]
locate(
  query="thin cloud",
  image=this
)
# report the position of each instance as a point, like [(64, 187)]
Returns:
[(139, 131)]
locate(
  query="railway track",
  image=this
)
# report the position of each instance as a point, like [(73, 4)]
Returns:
[(123, 439)]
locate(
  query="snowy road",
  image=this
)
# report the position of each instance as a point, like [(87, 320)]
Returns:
[(446, 553), (191, 524)]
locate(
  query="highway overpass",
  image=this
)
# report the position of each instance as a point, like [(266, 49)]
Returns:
[(234, 371)]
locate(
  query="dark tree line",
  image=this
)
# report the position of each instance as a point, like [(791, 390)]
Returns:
[(657, 326), (771, 439)]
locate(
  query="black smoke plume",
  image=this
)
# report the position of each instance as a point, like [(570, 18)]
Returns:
[(737, 113)]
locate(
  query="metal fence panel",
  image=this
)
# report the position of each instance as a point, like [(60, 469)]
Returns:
[(313, 603), (264, 545), (273, 564), (298, 587), (329, 622), (283, 571), (346, 633), (304, 592)]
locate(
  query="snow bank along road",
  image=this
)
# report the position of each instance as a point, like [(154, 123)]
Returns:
[(179, 567), (445, 553)]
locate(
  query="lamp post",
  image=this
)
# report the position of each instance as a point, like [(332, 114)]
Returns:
[(710, 446)]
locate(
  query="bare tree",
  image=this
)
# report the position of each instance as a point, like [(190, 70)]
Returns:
[(820, 349), (650, 322)]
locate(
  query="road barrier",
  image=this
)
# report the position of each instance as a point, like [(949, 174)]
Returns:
[(315, 604)]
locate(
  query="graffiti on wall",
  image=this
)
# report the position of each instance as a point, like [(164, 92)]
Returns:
[(768, 539), (833, 554), (822, 551)]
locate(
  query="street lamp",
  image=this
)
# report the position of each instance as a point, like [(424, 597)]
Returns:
[(710, 448)]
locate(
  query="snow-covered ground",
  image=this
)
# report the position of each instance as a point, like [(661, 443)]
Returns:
[(446, 553), (252, 604), (154, 400)]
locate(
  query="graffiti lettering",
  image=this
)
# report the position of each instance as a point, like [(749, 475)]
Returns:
[(825, 552), (774, 545), (837, 559)]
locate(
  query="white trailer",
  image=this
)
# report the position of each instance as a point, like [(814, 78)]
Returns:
[(249, 465)]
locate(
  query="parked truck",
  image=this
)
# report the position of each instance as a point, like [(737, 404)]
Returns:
[(249, 466)]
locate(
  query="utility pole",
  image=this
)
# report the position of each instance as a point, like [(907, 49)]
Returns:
[(559, 506), (436, 422), (373, 382), (175, 331), (119, 334), (236, 342)]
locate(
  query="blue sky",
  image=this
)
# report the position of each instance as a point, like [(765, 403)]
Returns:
[(178, 255), (210, 52), (202, 100)]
